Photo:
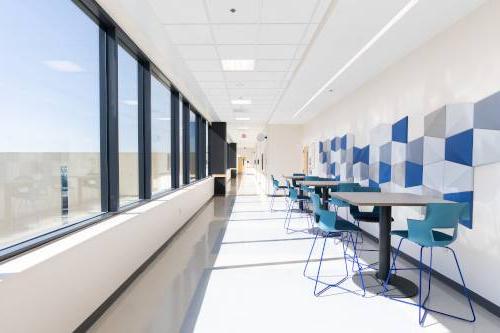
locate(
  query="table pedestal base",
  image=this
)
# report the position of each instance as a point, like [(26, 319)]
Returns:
[(399, 287)]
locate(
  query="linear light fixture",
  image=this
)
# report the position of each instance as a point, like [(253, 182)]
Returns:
[(242, 118), (365, 48), (232, 65), (241, 101), (242, 128)]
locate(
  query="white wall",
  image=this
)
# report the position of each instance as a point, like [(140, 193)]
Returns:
[(56, 287), (282, 154), (462, 64)]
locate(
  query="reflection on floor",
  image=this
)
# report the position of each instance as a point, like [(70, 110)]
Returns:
[(235, 269)]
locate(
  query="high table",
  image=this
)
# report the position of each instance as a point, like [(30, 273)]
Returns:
[(386, 201), (325, 185)]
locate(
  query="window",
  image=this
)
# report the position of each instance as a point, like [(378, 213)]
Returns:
[(160, 137), (128, 127), (50, 128), (181, 143), (193, 145), (206, 148)]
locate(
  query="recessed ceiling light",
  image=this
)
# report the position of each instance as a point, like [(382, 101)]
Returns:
[(242, 128), (241, 101), (242, 118), (238, 64), (365, 48)]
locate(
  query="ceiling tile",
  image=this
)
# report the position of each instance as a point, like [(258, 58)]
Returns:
[(209, 76), (190, 52), (254, 84), (272, 65), (189, 34), (216, 92), (275, 51), (287, 11), (236, 51), (180, 11), (247, 11), (281, 33), (207, 85), (235, 33), (204, 65), (254, 76)]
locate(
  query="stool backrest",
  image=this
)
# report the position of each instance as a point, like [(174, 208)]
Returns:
[(437, 216), (346, 187)]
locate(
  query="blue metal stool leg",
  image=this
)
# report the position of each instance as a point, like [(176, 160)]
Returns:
[(310, 253), (319, 269)]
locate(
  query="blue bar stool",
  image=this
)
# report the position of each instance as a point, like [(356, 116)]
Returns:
[(370, 217), (424, 234), (331, 226), (294, 198), (277, 187), (337, 203)]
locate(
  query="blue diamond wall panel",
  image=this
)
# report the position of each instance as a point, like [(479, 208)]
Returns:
[(458, 148), (413, 174), (384, 173), (466, 197), (400, 131)]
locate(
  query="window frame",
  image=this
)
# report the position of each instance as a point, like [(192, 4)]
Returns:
[(110, 36)]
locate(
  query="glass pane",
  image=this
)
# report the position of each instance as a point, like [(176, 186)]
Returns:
[(49, 133), (181, 143), (160, 137), (192, 146), (128, 127), (206, 148)]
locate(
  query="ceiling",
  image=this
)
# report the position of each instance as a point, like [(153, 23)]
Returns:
[(297, 45)]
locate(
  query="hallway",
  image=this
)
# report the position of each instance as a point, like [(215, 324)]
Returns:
[(233, 268)]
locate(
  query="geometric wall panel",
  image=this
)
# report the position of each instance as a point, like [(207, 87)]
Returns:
[(487, 113), (458, 148), (486, 147), (459, 118), (456, 138), (433, 149)]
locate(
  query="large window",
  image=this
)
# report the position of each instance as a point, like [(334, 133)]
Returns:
[(50, 127), (83, 134), (128, 127), (160, 137), (193, 146)]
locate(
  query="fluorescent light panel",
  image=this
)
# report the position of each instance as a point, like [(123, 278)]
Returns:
[(365, 48), (233, 65), (241, 102), (242, 118)]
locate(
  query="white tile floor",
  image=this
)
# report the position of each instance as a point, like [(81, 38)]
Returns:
[(235, 269)]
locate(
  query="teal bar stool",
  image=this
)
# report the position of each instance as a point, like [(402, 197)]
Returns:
[(358, 216), (425, 233), (309, 189), (276, 188), (332, 226), (338, 203), (294, 198)]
